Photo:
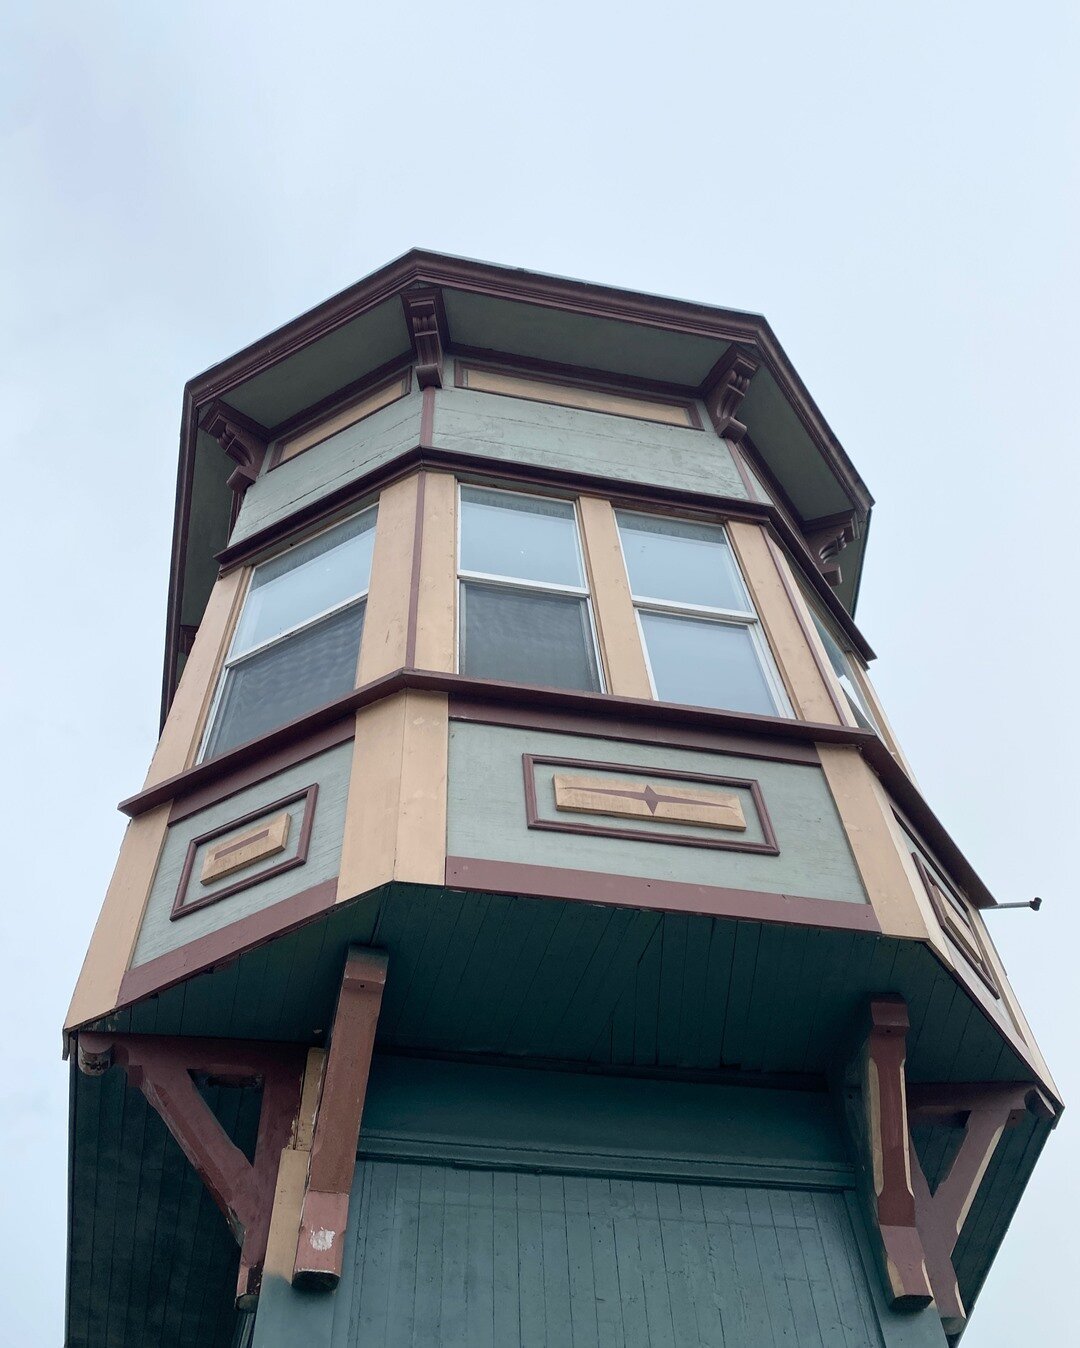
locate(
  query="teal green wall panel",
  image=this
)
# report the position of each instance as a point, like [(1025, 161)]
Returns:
[(339, 460), (159, 933), (487, 816), (576, 441)]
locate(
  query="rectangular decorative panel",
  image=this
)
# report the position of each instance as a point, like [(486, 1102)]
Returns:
[(255, 844), (540, 389), (640, 800)]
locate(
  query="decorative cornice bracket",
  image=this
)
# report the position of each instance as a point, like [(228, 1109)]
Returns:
[(827, 537), (724, 388), (426, 320), (161, 1067), (242, 439)]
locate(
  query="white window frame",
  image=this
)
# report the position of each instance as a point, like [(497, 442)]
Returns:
[(866, 703), (525, 586), (746, 618), (232, 661)]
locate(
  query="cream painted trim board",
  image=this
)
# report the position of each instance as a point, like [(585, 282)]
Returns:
[(183, 731), (482, 380), (795, 660), (113, 942), (386, 617), (346, 416), (866, 814), (395, 820), (436, 595), (613, 607)]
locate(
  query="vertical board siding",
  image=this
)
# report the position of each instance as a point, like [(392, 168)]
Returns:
[(474, 1257)]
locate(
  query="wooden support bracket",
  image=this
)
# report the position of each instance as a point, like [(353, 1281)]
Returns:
[(161, 1067), (881, 1130), (321, 1241), (984, 1111), (427, 327), (724, 388)]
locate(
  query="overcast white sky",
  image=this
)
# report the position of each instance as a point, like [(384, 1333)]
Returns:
[(895, 187)]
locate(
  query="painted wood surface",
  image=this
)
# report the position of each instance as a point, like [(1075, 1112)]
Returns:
[(457, 1256), (278, 492), (159, 933), (487, 816), (565, 438)]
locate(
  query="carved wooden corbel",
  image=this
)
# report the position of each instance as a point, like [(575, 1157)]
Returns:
[(242, 439), (724, 389), (984, 1111), (161, 1067), (827, 537), (321, 1243), (878, 1115), (424, 315)]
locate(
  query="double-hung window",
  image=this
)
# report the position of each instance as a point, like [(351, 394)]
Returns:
[(703, 641), (297, 643), (524, 613), (843, 668)]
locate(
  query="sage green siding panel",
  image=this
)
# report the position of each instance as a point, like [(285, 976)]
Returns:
[(487, 816), (457, 1257), (159, 933), (279, 492), (574, 1121), (566, 438)]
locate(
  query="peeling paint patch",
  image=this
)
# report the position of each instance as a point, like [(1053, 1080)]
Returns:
[(322, 1239)]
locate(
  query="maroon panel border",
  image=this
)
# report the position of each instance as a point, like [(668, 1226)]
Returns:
[(628, 891), (225, 944), (308, 794), (530, 762), (974, 958), (386, 375)]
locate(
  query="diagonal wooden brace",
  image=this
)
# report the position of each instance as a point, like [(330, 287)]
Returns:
[(881, 1131), (321, 1242), (161, 1068), (984, 1111)]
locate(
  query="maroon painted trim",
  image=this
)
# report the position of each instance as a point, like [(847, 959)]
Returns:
[(564, 373), (161, 1068), (740, 465), (951, 922), (427, 418), (891, 1198), (318, 1262), (628, 891), (309, 795), (535, 717), (265, 765), (218, 947), (530, 762), (538, 372), (386, 375), (622, 495), (414, 573)]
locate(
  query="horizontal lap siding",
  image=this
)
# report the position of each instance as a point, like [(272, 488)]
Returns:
[(478, 1257)]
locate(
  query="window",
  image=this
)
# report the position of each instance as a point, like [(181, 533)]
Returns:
[(844, 669), (703, 641), (524, 613), (298, 640)]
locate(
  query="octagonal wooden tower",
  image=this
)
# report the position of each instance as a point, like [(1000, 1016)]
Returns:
[(529, 930)]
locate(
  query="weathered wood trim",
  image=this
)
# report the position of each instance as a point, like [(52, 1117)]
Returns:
[(421, 837), (360, 405), (672, 896), (808, 691), (433, 600), (161, 1068), (613, 608), (292, 1174), (179, 743), (386, 617), (117, 929), (865, 816), (880, 1126), (320, 1245)]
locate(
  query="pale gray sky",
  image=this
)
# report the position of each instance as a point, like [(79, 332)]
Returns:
[(895, 187)]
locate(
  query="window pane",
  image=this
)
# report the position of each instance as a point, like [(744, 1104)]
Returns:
[(527, 638), (286, 680), (307, 580), (706, 664), (521, 537), (681, 562), (842, 668)]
